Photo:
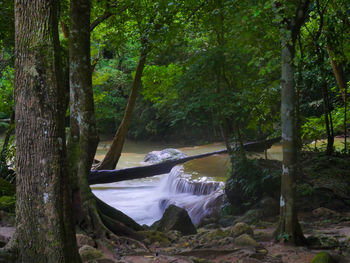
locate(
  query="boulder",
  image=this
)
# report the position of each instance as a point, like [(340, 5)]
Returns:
[(84, 240), (241, 228), (88, 253), (164, 155), (175, 218), (323, 257), (245, 240)]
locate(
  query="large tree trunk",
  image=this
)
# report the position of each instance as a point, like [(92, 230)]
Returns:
[(288, 226), (42, 233), (111, 159)]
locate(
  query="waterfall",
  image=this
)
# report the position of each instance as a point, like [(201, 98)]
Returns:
[(201, 198)]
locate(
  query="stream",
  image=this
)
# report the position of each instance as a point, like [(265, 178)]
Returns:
[(196, 185)]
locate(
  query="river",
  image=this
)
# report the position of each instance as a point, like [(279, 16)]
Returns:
[(144, 200)]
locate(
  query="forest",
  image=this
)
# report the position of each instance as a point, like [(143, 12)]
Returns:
[(96, 95)]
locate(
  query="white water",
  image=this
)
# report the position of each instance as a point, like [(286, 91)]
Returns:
[(145, 200), (190, 186)]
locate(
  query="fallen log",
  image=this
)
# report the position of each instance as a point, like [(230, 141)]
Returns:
[(111, 176)]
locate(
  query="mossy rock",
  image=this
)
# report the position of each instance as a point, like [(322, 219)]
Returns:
[(323, 257), (245, 240), (6, 188), (241, 228), (88, 253), (8, 203), (153, 237)]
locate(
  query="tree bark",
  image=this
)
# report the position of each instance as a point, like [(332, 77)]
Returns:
[(43, 235), (83, 137), (341, 82), (111, 159), (289, 227)]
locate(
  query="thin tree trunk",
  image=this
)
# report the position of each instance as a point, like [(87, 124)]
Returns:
[(288, 226), (288, 223), (326, 103), (111, 159), (341, 82), (42, 233), (9, 132)]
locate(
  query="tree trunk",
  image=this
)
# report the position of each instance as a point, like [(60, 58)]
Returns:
[(341, 82), (83, 138), (43, 233), (111, 159), (9, 132), (326, 103), (288, 223)]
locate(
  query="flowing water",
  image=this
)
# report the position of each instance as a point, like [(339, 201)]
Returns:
[(196, 186)]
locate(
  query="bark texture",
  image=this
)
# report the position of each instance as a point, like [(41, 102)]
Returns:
[(43, 234), (83, 138), (111, 159), (289, 227)]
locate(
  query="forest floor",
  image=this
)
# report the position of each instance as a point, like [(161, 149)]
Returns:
[(217, 244)]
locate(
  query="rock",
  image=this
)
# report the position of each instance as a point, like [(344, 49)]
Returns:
[(84, 240), (88, 253), (241, 228), (104, 260), (323, 212), (6, 234), (323, 257), (164, 155), (245, 240), (322, 242), (175, 218), (151, 237)]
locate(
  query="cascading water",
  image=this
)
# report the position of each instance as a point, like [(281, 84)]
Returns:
[(145, 200), (200, 198)]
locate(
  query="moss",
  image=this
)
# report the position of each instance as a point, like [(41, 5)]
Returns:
[(8, 203), (156, 236), (323, 257)]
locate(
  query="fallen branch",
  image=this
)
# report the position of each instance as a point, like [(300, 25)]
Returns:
[(111, 176)]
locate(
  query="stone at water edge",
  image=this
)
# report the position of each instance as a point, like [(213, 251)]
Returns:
[(175, 218), (323, 257), (322, 242), (164, 155)]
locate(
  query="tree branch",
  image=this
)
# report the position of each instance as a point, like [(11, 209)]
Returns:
[(100, 19)]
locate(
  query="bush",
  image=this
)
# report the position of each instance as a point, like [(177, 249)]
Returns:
[(250, 180)]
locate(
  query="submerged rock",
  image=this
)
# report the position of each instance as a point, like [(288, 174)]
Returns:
[(164, 155), (175, 218)]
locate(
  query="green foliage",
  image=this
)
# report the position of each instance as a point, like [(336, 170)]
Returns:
[(250, 180), (6, 90), (8, 203)]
